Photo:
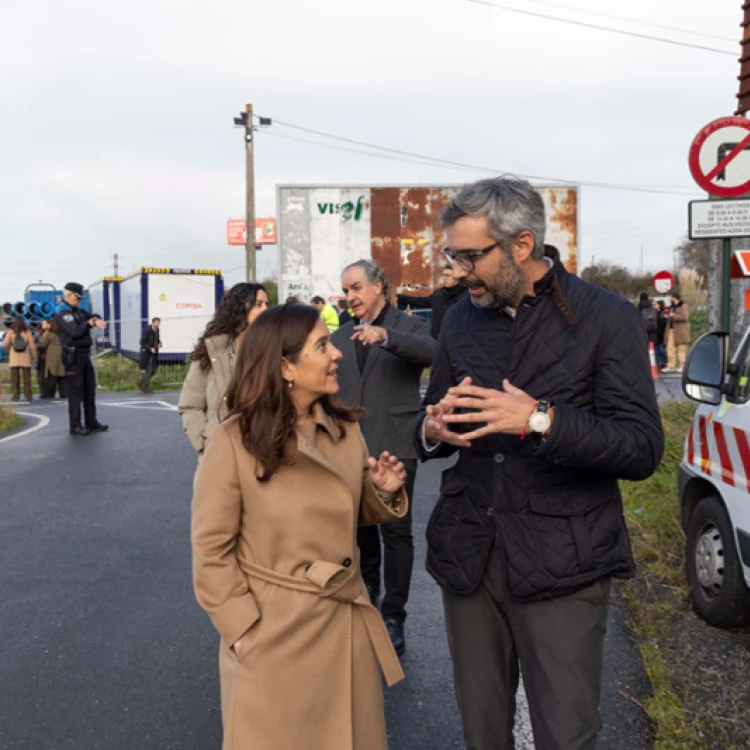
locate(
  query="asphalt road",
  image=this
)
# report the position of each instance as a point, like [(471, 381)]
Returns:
[(103, 645)]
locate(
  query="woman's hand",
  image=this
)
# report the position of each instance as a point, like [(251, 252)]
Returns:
[(388, 473)]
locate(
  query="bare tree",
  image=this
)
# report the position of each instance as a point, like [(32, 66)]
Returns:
[(694, 255)]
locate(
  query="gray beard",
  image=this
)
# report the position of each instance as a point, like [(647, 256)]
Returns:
[(498, 300)]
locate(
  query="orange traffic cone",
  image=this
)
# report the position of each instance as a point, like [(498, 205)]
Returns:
[(652, 357)]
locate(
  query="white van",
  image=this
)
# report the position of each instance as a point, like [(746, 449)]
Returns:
[(714, 481)]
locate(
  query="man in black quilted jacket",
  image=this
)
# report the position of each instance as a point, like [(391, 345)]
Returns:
[(542, 385)]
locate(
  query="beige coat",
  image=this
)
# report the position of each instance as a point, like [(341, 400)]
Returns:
[(50, 348), (202, 402), (20, 359), (680, 324), (276, 566)]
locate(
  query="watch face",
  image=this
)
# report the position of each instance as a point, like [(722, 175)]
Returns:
[(539, 422)]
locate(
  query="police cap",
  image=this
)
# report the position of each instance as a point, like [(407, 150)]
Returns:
[(77, 289)]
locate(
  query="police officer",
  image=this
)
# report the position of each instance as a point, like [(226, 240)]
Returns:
[(74, 328)]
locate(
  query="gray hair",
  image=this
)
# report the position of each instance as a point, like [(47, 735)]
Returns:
[(511, 206), (373, 272)]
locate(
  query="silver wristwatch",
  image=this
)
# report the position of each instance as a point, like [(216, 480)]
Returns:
[(539, 421)]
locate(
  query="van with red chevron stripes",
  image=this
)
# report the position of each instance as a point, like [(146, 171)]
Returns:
[(714, 481)]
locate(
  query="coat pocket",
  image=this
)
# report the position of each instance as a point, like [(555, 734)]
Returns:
[(445, 516), (576, 528)]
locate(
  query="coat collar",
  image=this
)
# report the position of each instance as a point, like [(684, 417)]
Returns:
[(309, 449)]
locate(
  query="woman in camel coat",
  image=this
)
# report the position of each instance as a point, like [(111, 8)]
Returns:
[(202, 402), (20, 361), (279, 494)]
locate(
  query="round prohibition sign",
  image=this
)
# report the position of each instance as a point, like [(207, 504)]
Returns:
[(713, 157)]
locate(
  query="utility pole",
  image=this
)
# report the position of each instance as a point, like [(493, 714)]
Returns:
[(246, 119)]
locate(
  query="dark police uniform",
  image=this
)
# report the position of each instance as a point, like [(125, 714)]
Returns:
[(74, 331)]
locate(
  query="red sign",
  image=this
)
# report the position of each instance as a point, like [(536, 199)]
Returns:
[(663, 282), (717, 157), (265, 232)]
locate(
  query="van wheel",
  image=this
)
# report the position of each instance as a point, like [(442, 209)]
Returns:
[(714, 572)]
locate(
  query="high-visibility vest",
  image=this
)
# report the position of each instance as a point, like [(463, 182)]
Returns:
[(330, 317)]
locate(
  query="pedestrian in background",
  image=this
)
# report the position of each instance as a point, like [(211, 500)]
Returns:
[(327, 313), (41, 365), (384, 354), (74, 329), (54, 369), (278, 496), (649, 318), (20, 344), (543, 385), (661, 329), (440, 301), (344, 314), (202, 403), (679, 323), (148, 361)]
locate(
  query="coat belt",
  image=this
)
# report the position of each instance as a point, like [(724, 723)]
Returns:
[(331, 581)]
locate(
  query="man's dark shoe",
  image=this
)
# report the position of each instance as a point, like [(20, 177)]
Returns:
[(79, 431), (396, 632), (99, 428), (374, 591)]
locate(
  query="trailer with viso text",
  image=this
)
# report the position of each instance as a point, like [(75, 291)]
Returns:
[(322, 228)]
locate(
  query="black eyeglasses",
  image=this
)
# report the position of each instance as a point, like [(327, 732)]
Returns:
[(466, 258)]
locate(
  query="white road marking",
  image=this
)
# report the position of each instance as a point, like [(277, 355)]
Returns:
[(137, 404), (43, 422)]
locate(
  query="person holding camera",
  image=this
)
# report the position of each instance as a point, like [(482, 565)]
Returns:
[(74, 329)]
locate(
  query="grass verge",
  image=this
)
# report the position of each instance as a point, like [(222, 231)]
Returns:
[(657, 596), (9, 419), (116, 373)]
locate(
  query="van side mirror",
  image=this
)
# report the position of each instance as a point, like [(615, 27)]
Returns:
[(706, 368)]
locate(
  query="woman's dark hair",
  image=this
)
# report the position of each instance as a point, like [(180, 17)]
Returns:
[(52, 326), (660, 305), (261, 397), (19, 326), (229, 320)]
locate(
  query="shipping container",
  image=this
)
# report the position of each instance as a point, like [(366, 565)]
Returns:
[(52, 296), (323, 228), (105, 302), (184, 299)]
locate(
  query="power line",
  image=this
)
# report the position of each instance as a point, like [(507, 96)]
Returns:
[(436, 161), (427, 163), (598, 27), (630, 19)]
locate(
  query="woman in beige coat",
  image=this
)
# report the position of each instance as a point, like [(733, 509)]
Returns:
[(20, 345), (53, 375), (202, 402), (282, 486)]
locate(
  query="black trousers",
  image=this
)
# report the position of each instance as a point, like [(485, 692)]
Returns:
[(557, 643), (399, 554), (151, 368), (81, 390)]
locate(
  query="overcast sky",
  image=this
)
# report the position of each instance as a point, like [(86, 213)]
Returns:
[(116, 120)]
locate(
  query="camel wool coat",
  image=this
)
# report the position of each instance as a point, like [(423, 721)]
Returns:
[(276, 566)]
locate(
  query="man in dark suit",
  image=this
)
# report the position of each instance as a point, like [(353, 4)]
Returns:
[(344, 316), (440, 301), (384, 352), (149, 358)]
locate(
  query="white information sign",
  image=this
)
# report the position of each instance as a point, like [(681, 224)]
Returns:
[(722, 219)]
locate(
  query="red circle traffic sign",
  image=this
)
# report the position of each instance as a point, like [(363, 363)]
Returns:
[(663, 282), (713, 157)]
